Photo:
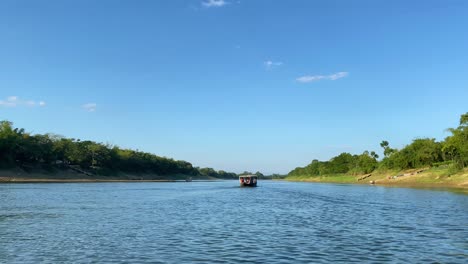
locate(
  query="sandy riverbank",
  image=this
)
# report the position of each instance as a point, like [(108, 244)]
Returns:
[(428, 178), (69, 176)]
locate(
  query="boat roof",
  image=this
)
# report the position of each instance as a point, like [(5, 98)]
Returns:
[(248, 175)]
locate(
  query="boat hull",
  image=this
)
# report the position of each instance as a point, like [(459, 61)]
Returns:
[(248, 185)]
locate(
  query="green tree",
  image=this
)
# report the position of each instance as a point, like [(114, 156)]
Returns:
[(455, 147), (9, 143), (259, 175), (387, 149), (19, 148), (365, 163)]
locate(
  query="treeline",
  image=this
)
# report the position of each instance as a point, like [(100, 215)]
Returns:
[(230, 175), (24, 150), (261, 175), (210, 172), (424, 152)]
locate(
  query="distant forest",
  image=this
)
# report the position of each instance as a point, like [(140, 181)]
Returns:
[(49, 152), (422, 152)]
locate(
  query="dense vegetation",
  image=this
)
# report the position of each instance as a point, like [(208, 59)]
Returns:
[(19, 149), (422, 152)]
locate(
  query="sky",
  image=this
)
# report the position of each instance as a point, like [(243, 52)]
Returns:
[(250, 85)]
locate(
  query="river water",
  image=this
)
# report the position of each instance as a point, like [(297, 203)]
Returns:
[(218, 222)]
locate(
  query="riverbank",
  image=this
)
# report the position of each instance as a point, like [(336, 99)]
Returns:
[(429, 177), (70, 176)]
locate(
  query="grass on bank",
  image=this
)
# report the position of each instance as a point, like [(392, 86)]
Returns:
[(338, 178), (446, 176), (20, 175)]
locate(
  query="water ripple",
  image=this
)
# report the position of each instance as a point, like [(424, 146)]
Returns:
[(216, 222)]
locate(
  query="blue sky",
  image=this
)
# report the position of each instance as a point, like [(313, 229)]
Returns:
[(236, 85)]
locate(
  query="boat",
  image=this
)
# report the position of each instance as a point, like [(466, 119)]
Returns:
[(248, 180)]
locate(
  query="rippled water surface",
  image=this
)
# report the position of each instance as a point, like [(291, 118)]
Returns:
[(218, 222)]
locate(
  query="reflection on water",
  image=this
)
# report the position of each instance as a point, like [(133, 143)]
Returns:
[(211, 222)]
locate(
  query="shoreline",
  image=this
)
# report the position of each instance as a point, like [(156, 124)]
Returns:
[(19, 181), (426, 178), (388, 184), (45, 180), (68, 176), (50, 180)]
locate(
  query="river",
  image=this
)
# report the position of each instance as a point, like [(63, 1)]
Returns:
[(219, 222)]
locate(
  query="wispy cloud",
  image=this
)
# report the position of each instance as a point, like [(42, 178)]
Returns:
[(14, 101), (90, 107), (214, 3), (272, 64), (314, 78)]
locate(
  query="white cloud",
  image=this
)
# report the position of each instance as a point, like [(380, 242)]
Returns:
[(337, 75), (9, 102), (14, 101), (271, 64), (313, 78), (90, 107), (214, 3)]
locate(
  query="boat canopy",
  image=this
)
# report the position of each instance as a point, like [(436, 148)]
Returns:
[(248, 175)]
